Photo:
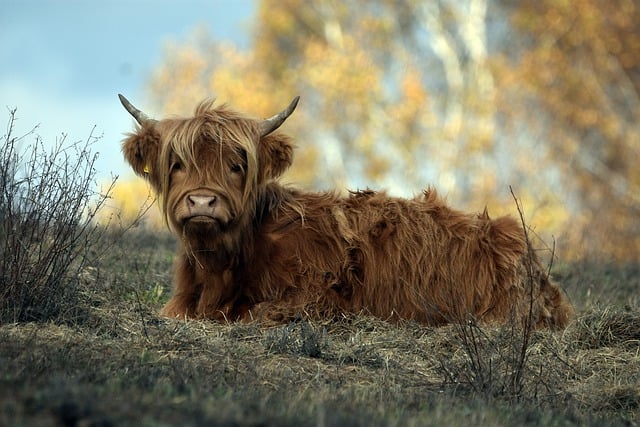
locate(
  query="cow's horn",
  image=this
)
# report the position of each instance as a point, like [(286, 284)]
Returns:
[(140, 117), (269, 125)]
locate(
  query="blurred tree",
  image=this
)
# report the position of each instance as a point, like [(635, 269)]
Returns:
[(130, 203), (579, 67), (395, 94), (400, 94)]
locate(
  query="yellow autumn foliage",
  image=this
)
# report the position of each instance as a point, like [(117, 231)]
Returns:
[(130, 201)]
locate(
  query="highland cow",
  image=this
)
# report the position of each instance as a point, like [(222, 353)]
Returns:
[(253, 249)]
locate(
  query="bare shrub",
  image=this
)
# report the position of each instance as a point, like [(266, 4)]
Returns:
[(47, 203)]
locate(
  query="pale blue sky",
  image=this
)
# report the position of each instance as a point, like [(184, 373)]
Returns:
[(63, 62)]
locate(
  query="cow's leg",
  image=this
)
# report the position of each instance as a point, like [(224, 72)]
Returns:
[(268, 313), (186, 292), (218, 296), (180, 306), (308, 304)]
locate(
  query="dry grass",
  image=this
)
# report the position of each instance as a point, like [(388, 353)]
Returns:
[(122, 365)]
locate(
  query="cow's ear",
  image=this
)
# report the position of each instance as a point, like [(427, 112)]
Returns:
[(275, 155), (141, 150)]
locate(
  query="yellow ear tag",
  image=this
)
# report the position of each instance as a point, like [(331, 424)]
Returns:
[(146, 169)]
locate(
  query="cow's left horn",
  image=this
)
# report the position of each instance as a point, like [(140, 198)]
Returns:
[(140, 117), (269, 125)]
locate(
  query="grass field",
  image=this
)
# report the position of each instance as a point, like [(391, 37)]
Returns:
[(106, 358)]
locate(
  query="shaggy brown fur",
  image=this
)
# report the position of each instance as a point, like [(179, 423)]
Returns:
[(254, 249)]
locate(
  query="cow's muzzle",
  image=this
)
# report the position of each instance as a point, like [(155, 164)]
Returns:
[(201, 208), (204, 208)]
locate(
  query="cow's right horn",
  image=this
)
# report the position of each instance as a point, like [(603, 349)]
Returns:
[(140, 117), (269, 125)]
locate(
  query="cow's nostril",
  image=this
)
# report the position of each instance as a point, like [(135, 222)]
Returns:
[(201, 201)]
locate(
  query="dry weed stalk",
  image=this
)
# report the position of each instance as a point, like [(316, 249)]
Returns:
[(496, 360)]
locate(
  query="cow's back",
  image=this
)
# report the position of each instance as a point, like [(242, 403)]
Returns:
[(418, 259), (390, 257)]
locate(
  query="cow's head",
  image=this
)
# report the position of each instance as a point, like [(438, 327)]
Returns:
[(206, 168)]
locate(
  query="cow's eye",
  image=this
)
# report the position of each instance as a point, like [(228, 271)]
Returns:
[(176, 166), (236, 168)]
